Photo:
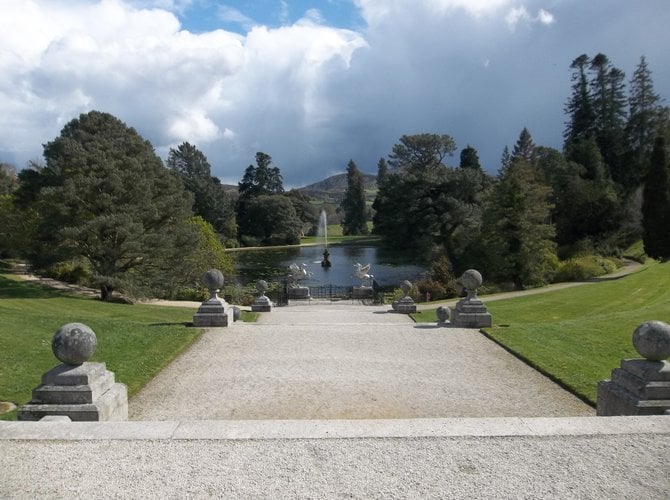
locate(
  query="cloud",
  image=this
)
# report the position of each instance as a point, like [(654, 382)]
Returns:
[(521, 15), (310, 95)]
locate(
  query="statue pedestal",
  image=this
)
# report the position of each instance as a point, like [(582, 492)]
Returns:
[(211, 313), (470, 313), (298, 292), (405, 305), (261, 304), (84, 393), (363, 292), (638, 387)]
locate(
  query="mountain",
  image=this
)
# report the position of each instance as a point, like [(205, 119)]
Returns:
[(331, 189)]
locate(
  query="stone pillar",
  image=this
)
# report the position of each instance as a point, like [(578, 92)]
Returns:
[(261, 303), (212, 312), (471, 312), (640, 386), (78, 389), (405, 305)]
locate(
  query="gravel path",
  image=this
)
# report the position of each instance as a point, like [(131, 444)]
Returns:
[(335, 361)]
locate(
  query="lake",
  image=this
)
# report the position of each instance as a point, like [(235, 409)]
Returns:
[(388, 267)]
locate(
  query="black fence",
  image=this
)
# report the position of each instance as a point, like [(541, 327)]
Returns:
[(330, 292)]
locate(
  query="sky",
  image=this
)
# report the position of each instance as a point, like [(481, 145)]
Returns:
[(311, 83)]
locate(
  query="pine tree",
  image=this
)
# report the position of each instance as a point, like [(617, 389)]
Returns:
[(656, 204), (524, 149), (646, 118), (109, 200), (517, 234), (469, 158), (579, 108), (353, 203), (210, 201), (609, 103)]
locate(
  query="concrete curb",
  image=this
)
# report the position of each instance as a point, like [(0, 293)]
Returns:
[(333, 429)]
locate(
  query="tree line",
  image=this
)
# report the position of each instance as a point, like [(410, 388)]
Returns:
[(607, 187), (104, 209)]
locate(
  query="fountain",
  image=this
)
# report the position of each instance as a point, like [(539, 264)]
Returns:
[(322, 231)]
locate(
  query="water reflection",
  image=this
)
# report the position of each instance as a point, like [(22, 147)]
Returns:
[(389, 268)]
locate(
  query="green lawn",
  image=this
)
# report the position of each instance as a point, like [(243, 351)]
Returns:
[(578, 335), (135, 341)]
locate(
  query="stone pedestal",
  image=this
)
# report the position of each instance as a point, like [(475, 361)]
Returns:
[(405, 305), (86, 392), (211, 313), (363, 292), (298, 292), (470, 313), (261, 304), (638, 387)]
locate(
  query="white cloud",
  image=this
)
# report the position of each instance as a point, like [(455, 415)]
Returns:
[(519, 15), (310, 95)]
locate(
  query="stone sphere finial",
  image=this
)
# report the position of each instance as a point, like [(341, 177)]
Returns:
[(213, 279), (261, 286), (652, 340), (471, 280), (74, 343), (405, 286), (443, 314)]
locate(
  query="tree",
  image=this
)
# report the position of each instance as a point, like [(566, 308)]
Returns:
[(8, 179), (270, 220), (656, 204), (421, 154), (646, 118), (517, 233), (304, 209), (353, 203), (107, 198), (609, 104), (382, 171), (585, 206), (581, 122), (261, 179), (469, 158), (524, 149), (210, 201)]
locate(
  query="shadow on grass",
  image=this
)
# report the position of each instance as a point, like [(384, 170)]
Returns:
[(176, 323), (10, 289)]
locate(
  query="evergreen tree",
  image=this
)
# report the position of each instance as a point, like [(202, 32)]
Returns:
[(656, 204), (517, 233), (469, 158), (609, 103), (581, 122), (261, 179), (646, 118), (421, 154), (107, 198), (210, 201), (270, 220), (353, 203), (524, 149), (382, 171)]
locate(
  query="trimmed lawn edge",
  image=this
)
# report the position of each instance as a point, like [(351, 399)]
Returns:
[(539, 369)]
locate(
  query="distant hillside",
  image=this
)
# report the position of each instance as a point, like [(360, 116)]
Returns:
[(338, 183), (331, 190)]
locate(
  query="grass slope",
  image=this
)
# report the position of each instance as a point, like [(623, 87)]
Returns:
[(135, 342), (578, 335)]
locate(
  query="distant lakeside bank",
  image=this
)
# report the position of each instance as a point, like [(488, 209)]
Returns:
[(350, 241)]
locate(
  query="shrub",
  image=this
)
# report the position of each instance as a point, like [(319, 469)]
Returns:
[(586, 267)]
